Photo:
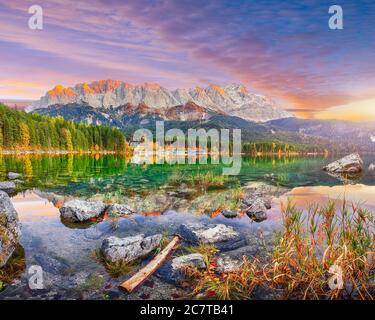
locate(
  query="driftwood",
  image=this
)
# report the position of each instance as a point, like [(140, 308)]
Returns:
[(138, 278)]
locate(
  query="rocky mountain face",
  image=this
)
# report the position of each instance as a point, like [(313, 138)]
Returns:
[(179, 104)]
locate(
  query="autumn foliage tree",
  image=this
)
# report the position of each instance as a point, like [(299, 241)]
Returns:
[(24, 135)]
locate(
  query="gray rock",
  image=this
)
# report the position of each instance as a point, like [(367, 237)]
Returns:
[(7, 186), (267, 201), (371, 167), (223, 237), (257, 210), (129, 248), (229, 213), (174, 270), (79, 210), (231, 261), (349, 164), (9, 228), (14, 175), (119, 210), (51, 264)]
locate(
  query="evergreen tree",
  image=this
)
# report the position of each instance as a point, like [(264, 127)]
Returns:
[(34, 131)]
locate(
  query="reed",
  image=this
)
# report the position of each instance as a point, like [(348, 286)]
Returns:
[(322, 254)]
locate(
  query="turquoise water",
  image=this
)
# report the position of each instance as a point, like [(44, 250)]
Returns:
[(65, 253), (82, 175)]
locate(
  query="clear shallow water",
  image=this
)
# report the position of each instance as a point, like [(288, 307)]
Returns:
[(85, 175), (49, 243)]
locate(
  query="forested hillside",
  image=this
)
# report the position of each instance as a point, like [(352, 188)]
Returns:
[(30, 131)]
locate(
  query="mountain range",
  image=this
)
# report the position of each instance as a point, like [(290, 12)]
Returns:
[(179, 104), (129, 107)]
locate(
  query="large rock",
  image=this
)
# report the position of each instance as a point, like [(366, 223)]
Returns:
[(79, 210), (223, 237), (257, 210), (231, 261), (174, 270), (14, 175), (7, 186), (9, 228), (129, 248), (349, 164)]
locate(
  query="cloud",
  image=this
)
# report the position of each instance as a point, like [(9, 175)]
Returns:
[(282, 49)]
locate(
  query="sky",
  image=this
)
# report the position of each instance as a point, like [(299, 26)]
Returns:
[(282, 49)]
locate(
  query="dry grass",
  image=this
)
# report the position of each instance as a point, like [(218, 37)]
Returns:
[(15, 266), (226, 286), (208, 251), (309, 249), (312, 244)]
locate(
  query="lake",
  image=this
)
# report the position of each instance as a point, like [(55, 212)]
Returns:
[(66, 253)]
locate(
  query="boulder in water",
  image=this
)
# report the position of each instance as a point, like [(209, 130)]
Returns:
[(351, 164), (9, 228), (223, 237), (257, 209), (130, 248), (80, 210), (8, 187)]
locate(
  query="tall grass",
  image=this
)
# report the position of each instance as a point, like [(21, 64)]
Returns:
[(311, 248)]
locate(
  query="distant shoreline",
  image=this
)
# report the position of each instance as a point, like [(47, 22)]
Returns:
[(54, 152)]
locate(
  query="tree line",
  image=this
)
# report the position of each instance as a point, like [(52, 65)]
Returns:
[(30, 131)]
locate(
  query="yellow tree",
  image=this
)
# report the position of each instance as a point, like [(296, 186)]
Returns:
[(68, 139), (25, 135), (1, 139)]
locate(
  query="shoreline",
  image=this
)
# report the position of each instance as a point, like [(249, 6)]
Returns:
[(54, 152)]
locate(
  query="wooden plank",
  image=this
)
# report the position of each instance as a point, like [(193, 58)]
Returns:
[(138, 278)]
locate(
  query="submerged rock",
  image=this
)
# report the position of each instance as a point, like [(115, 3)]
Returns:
[(80, 210), (174, 270), (9, 228), (14, 175), (51, 264), (119, 210), (231, 261), (8, 186), (129, 248), (349, 164), (223, 237)]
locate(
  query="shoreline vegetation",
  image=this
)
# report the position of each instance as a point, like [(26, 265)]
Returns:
[(323, 254)]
